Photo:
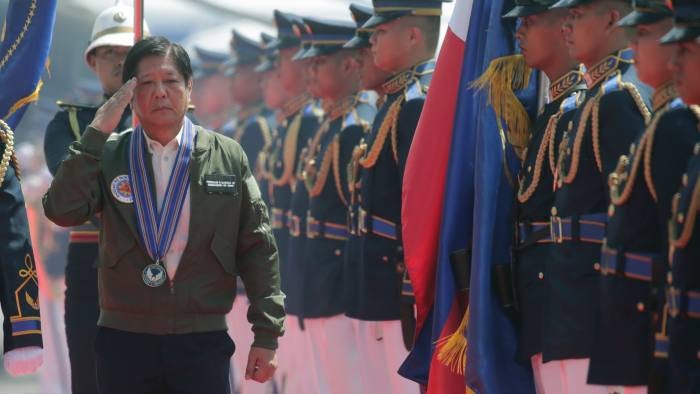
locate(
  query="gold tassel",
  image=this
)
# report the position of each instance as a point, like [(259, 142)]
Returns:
[(25, 100), (502, 78), (452, 349)]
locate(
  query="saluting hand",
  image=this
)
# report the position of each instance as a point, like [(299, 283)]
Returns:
[(262, 364), (110, 113)]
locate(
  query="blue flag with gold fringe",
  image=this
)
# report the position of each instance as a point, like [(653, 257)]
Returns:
[(26, 40)]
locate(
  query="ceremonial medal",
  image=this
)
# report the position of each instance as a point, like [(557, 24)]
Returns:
[(157, 227), (154, 275)]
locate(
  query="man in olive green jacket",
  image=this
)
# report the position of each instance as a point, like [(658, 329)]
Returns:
[(229, 234)]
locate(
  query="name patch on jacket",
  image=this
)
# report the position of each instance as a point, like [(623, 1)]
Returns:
[(220, 184)]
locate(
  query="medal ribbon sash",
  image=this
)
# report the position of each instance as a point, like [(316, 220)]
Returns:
[(157, 228)]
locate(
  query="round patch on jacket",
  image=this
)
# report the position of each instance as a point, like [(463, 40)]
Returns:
[(121, 189)]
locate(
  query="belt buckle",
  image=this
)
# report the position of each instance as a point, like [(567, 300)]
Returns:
[(310, 222), (673, 296), (351, 222), (556, 231), (362, 221)]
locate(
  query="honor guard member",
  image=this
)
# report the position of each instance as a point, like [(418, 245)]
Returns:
[(252, 130), (163, 294), (19, 299), (633, 262), (299, 199), (544, 48), (372, 78), (112, 36), (274, 98), (683, 289), (210, 92), (403, 43), (335, 77), (607, 122), (298, 121)]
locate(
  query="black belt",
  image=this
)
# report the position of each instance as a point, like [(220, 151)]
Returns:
[(683, 303), (316, 228), (584, 228), (639, 266)]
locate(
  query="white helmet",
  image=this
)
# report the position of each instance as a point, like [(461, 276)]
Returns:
[(114, 26)]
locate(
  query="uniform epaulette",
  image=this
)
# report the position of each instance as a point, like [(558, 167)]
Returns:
[(368, 97), (65, 106), (415, 90), (614, 84)]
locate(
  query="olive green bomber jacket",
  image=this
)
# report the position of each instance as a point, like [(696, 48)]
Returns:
[(229, 235)]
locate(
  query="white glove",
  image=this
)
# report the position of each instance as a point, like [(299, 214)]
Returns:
[(23, 361)]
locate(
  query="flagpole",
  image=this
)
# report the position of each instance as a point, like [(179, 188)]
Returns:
[(138, 20), (138, 35)]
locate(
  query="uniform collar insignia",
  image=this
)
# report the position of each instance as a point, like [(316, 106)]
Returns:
[(295, 105), (245, 113), (663, 95), (402, 79), (607, 66), (341, 107), (565, 84)]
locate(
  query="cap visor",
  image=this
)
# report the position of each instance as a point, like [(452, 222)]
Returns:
[(524, 10), (568, 3), (680, 34), (635, 18), (357, 43), (377, 20)]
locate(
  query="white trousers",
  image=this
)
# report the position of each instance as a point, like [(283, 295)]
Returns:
[(296, 373), (239, 329), (382, 352), (563, 377), (335, 355)]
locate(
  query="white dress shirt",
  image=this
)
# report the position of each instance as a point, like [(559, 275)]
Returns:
[(163, 159)]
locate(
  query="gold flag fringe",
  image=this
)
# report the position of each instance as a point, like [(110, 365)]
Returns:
[(452, 349), (502, 78)]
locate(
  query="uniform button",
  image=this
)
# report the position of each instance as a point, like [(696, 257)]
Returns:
[(568, 151), (680, 218), (669, 278), (540, 275), (529, 168), (385, 259), (640, 306), (696, 149), (633, 147), (685, 180), (554, 211), (338, 252), (611, 210), (596, 266)]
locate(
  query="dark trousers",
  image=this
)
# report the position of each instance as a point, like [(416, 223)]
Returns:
[(81, 313), (137, 363)]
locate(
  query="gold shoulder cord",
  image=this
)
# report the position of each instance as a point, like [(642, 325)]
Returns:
[(315, 179), (547, 140), (689, 222), (8, 155), (649, 150), (569, 176), (389, 125), (638, 100), (73, 121), (315, 188), (624, 173), (335, 148), (265, 130), (290, 145)]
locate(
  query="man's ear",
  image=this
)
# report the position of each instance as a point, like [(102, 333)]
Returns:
[(613, 16), (92, 60)]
